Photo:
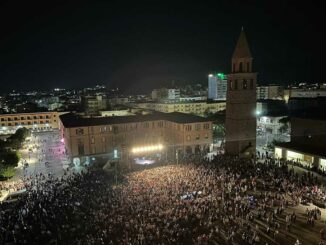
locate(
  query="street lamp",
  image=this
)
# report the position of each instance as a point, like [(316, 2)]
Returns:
[(115, 156)]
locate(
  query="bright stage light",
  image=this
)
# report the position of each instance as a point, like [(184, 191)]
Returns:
[(149, 148)]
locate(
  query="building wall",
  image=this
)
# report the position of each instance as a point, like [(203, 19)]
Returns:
[(307, 93), (116, 113), (240, 113), (94, 104), (212, 87), (270, 124), (37, 121), (309, 131), (196, 108), (105, 138), (217, 87)]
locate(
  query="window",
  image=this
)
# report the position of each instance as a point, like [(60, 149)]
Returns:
[(16, 118), (146, 125), (41, 117), (230, 85), (92, 140), (251, 83), (2, 119), (198, 127), (28, 118), (206, 136), (206, 126), (236, 84), (188, 127), (197, 137), (22, 118), (248, 67), (245, 85), (188, 137), (240, 67), (233, 67), (160, 124), (79, 131)]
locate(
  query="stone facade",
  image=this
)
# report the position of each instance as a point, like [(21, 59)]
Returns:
[(37, 121), (125, 133), (241, 103)]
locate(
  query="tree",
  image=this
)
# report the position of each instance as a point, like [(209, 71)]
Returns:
[(285, 124), (7, 171), (15, 141), (219, 131), (11, 158), (21, 134)]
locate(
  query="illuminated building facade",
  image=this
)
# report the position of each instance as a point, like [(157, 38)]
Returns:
[(38, 121), (217, 86), (199, 108), (178, 134)]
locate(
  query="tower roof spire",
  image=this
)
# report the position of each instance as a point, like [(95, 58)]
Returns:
[(242, 48)]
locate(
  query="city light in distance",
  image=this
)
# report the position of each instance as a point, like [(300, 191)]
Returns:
[(148, 148)]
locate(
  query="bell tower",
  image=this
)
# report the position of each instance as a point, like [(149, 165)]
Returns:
[(241, 102)]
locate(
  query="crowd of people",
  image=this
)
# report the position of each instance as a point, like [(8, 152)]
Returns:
[(222, 200)]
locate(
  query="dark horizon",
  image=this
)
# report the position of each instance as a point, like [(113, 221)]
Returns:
[(138, 47)]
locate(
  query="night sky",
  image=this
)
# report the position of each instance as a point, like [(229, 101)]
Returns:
[(141, 45)]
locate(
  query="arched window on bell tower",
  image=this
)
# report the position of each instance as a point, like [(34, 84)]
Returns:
[(240, 67), (233, 69), (248, 67)]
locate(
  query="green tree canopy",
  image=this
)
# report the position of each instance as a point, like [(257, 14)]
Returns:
[(7, 171), (10, 158)]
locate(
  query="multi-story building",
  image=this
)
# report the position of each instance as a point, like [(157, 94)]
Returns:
[(158, 94), (119, 100), (176, 133), (241, 102), (269, 92), (217, 86), (200, 108), (94, 104), (306, 93), (166, 94), (38, 121), (193, 98), (270, 124), (173, 94)]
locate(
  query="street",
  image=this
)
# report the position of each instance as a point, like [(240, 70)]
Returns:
[(263, 139), (44, 153)]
